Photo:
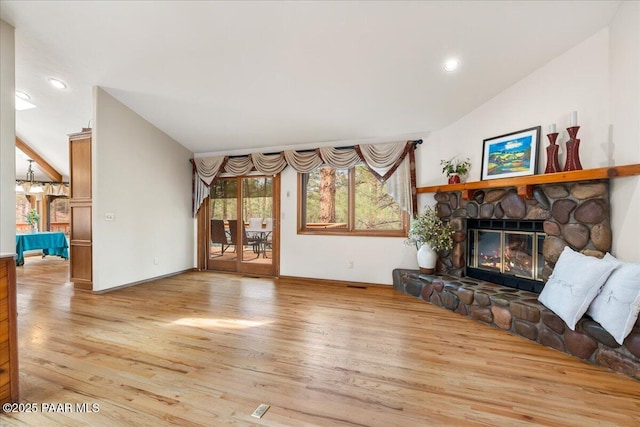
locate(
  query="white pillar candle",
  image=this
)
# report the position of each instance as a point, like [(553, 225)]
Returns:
[(552, 128), (573, 121)]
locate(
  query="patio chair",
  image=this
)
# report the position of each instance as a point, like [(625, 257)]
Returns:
[(219, 235), (268, 237), (246, 241), (254, 231), (255, 223)]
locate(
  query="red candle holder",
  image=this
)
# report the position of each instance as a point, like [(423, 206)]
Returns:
[(573, 150), (552, 154)]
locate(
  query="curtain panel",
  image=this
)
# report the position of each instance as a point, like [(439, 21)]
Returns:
[(340, 158), (303, 161), (269, 164), (393, 163), (208, 168), (55, 189)]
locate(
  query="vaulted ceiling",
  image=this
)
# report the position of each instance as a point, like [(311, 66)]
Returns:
[(223, 76)]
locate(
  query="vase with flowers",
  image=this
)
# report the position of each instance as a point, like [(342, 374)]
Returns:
[(430, 235), (33, 218), (455, 169)]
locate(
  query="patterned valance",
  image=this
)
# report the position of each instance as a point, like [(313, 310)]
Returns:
[(387, 161), (48, 188)]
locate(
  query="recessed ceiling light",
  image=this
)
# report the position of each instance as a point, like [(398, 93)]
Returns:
[(58, 84), (23, 104), (23, 95), (451, 64)]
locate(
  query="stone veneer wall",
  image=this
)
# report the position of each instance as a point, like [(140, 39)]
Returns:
[(520, 313), (574, 214)]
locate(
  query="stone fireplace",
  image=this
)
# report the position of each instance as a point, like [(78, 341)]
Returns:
[(515, 241), (506, 252), (533, 218)]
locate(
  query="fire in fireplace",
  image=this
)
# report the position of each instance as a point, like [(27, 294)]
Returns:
[(507, 252)]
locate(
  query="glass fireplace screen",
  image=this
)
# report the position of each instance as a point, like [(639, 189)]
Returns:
[(515, 253)]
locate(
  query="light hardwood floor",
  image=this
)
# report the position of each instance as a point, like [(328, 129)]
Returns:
[(206, 349)]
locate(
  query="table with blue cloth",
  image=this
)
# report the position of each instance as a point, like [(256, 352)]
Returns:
[(51, 243)]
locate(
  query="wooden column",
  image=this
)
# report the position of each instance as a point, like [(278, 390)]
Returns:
[(8, 330), (203, 235), (80, 203), (44, 214)]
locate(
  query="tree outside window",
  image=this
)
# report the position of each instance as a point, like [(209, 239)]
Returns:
[(348, 201), (23, 206), (59, 215)]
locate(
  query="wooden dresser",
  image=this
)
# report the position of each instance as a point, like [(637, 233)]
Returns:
[(8, 330)]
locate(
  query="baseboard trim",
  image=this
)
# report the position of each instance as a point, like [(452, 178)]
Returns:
[(139, 282), (331, 282), (297, 280)]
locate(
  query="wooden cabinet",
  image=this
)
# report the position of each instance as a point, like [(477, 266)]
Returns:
[(81, 242), (8, 330)]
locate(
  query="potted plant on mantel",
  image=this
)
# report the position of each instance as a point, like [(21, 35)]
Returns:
[(430, 235), (455, 169), (33, 218)]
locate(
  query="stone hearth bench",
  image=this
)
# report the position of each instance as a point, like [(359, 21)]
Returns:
[(520, 313)]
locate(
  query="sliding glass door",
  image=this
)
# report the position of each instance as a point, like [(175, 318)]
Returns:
[(243, 227)]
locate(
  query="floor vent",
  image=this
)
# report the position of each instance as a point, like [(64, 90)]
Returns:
[(260, 410)]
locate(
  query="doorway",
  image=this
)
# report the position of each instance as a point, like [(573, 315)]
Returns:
[(242, 227)]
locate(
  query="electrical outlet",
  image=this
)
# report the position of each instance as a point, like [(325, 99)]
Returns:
[(350, 264), (156, 261), (109, 217)]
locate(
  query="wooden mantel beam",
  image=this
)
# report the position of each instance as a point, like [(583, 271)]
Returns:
[(525, 184), (49, 170)]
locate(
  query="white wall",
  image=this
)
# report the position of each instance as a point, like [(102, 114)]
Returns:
[(7, 139), (578, 80), (142, 176), (624, 82)]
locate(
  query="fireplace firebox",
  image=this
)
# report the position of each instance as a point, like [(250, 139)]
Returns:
[(506, 252)]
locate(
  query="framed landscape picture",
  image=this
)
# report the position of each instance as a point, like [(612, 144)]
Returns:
[(510, 155)]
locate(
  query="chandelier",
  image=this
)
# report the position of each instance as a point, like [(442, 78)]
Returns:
[(34, 187)]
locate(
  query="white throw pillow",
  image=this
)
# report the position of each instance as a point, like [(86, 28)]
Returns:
[(574, 283), (616, 307)]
